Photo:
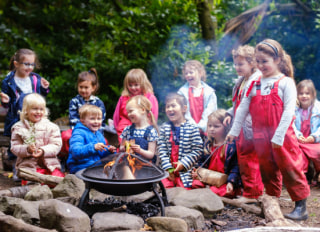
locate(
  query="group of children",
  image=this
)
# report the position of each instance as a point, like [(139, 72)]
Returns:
[(265, 139)]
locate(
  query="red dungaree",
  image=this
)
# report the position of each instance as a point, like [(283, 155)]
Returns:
[(276, 163), (174, 158), (248, 161), (196, 105), (124, 120), (311, 151)]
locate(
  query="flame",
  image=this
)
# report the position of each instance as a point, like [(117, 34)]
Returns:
[(109, 164)]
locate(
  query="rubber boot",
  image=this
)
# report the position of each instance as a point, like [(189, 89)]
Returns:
[(299, 212)]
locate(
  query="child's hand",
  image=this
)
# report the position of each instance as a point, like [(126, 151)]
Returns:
[(301, 139), (136, 148), (122, 148), (31, 148), (309, 139), (229, 188), (100, 147), (44, 83), (276, 146), (4, 97), (179, 167), (112, 149), (194, 174), (230, 138), (38, 153), (227, 121)]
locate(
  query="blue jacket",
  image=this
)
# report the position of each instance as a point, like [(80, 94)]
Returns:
[(190, 149), (10, 88), (231, 166), (78, 101), (82, 153), (314, 122)]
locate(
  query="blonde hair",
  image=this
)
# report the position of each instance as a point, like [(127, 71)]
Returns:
[(196, 65), (91, 76), (144, 103), (136, 75), (310, 86), (246, 52), (272, 48), (89, 109), (31, 100), (180, 99)]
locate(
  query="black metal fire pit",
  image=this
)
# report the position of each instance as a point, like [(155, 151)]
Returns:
[(146, 179)]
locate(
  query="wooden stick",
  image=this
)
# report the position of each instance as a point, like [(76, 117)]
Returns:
[(248, 208), (28, 174), (19, 191)]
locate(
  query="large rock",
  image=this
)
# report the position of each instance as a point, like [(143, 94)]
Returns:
[(70, 186), (167, 224), (8, 204), (192, 217), (11, 224), (28, 211), (41, 192), (203, 200), (111, 221), (63, 217)]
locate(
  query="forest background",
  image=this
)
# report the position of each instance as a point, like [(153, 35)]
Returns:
[(158, 36)]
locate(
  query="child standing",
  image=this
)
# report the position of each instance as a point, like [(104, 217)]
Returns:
[(35, 140), (87, 144), (271, 101), (245, 65), (179, 144), (223, 156), (200, 97), (19, 82), (144, 134), (87, 85), (135, 83), (307, 124)]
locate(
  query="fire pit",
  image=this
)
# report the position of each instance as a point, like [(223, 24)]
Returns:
[(116, 175)]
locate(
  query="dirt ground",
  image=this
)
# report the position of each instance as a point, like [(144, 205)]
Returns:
[(230, 218)]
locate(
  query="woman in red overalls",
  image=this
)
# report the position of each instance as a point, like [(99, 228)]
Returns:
[(223, 156), (271, 102), (135, 83), (307, 124), (245, 65)]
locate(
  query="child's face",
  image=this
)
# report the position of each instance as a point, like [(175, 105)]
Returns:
[(25, 66), (35, 113), (92, 121), (243, 67), (134, 88), (175, 112), (135, 113), (215, 129), (305, 98), (192, 76), (267, 65), (85, 89)]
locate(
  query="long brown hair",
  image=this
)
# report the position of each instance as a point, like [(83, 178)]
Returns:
[(310, 86), (136, 75), (275, 50)]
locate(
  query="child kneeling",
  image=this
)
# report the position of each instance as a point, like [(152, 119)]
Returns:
[(87, 143), (35, 140), (223, 156)]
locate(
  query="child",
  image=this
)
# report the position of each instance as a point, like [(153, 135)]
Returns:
[(35, 140), (224, 158), (87, 144), (271, 101), (245, 65), (144, 134), (19, 82), (307, 124), (200, 97), (88, 85), (179, 144), (135, 83)]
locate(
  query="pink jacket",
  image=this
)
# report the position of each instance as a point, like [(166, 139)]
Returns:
[(154, 109), (46, 136)]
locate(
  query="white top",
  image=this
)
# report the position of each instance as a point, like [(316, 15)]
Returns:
[(287, 93), (24, 84)]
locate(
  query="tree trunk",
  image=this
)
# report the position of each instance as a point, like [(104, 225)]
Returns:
[(207, 25)]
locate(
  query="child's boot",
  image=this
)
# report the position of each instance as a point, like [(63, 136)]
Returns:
[(299, 212)]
